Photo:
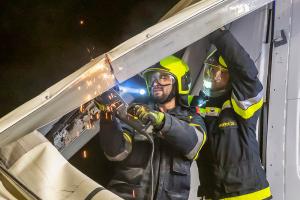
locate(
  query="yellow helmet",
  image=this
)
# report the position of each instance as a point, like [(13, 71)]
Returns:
[(177, 68)]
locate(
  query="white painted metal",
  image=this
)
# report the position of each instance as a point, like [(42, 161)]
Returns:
[(292, 151), (175, 33), (278, 117)]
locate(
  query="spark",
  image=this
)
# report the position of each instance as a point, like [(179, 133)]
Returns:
[(88, 97), (84, 154), (81, 22), (81, 109)]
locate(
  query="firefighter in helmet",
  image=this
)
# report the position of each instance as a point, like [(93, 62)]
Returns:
[(178, 136), (230, 166)]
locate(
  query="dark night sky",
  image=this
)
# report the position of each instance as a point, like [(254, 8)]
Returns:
[(42, 42)]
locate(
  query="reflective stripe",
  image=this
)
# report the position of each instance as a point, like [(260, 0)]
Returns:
[(127, 137), (196, 148), (258, 195), (214, 111), (248, 102), (127, 149), (226, 104), (201, 141), (249, 112)]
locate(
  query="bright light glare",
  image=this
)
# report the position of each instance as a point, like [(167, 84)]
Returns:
[(142, 92), (132, 90)]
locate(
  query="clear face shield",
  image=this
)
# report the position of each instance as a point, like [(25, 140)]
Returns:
[(162, 78), (215, 80)]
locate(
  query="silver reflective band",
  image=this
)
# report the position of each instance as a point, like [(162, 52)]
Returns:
[(248, 102), (121, 156), (194, 151)]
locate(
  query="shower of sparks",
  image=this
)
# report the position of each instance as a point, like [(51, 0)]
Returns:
[(81, 109), (84, 154)]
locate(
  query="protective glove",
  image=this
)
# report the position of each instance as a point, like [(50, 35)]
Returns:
[(147, 115)]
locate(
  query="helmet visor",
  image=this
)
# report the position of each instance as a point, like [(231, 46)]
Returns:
[(161, 77), (215, 77)]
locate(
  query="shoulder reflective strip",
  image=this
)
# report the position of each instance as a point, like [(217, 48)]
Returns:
[(258, 195), (191, 124), (212, 111), (226, 104), (121, 156), (249, 112), (200, 136), (94, 192), (203, 142), (248, 102), (127, 137), (203, 139)]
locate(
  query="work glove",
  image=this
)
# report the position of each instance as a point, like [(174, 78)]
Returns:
[(147, 115)]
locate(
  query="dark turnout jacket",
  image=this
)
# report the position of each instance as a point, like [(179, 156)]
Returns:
[(229, 165), (177, 144)]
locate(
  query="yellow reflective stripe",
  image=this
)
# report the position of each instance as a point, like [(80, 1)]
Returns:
[(203, 142), (226, 104), (127, 137), (190, 99), (202, 110), (192, 124), (258, 195), (249, 112)]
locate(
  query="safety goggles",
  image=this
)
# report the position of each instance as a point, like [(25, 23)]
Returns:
[(163, 78), (213, 72)]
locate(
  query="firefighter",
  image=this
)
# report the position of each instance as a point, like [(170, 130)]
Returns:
[(229, 165), (178, 136)]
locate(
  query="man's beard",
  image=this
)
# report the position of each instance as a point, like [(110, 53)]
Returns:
[(165, 97)]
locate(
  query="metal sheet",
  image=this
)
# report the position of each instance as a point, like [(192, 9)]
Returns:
[(292, 151), (292, 162), (175, 33), (294, 69), (277, 117)]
